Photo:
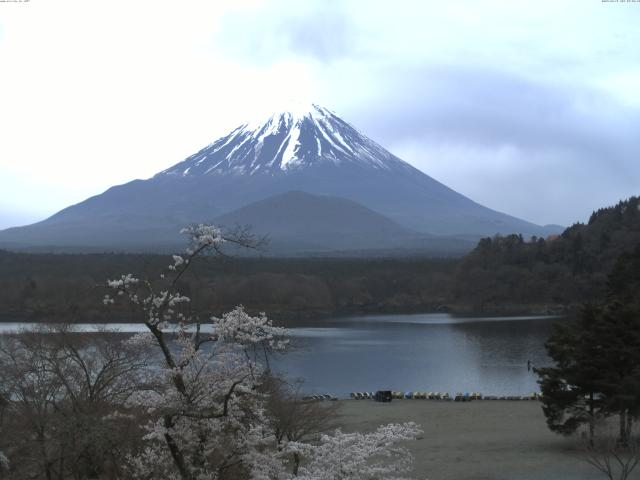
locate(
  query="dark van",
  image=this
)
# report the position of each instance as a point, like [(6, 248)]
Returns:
[(383, 396)]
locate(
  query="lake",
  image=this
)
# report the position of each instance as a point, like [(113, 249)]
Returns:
[(418, 352), (425, 352)]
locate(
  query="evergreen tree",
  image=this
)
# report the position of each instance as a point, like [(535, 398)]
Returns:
[(570, 390), (621, 333), (597, 371)]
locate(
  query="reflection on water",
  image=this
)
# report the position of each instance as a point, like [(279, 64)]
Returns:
[(434, 352), (12, 327), (429, 352)]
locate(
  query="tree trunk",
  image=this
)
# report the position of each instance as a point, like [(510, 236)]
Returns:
[(47, 470), (176, 454), (623, 439), (592, 420), (296, 463), (46, 464)]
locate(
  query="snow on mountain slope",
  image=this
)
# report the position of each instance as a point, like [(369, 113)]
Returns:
[(292, 139)]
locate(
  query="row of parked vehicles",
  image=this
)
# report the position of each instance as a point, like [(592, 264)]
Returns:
[(388, 395), (319, 398)]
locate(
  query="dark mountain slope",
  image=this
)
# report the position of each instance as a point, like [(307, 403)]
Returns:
[(300, 223)]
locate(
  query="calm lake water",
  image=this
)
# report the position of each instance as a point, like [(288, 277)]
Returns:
[(423, 352), (427, 352)]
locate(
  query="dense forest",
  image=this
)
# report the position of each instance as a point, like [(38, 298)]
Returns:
[(560, 271), (502, 274), (68, 287)]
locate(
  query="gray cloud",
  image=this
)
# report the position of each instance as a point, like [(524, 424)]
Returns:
[(322, 32), (488, 108), (546, 152)]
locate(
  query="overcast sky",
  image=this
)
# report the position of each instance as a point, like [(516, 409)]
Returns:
[(530, 108)]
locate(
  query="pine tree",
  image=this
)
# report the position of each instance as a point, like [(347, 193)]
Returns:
[(597, 371), (570, 390)]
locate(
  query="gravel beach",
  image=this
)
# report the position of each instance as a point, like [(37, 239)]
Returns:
[(479, 440)]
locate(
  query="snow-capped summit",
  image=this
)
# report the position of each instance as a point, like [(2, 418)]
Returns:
[(296, 109), (302, 135), (348, 193)]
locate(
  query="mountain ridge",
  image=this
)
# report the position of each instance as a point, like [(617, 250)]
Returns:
[(284, 141), (311, 150)]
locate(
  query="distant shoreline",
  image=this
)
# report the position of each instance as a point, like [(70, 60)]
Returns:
[(308, 318)]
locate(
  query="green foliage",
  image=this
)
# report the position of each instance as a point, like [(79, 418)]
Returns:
[(561, 270), (571, 393), (624, 280), (597, 371), (66, 287)]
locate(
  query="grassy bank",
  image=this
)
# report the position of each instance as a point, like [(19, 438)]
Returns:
[(480, 440)]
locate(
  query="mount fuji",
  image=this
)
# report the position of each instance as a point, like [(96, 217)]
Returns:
[(304, 176)]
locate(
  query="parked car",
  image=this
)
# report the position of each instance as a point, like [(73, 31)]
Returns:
[(383, 396)]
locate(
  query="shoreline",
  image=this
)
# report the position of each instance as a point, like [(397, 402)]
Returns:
[(290, 319)]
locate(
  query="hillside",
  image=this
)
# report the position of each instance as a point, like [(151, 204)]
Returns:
[(296, 221), (302, 224), (560, 270)]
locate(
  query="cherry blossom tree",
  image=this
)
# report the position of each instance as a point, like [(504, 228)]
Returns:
[(209, 412), (358, 456), (62, 403), (4, 463), (295, 418)]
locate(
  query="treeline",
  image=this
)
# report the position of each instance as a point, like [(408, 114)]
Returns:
[(562, 271), (507, 274), (68, 287)]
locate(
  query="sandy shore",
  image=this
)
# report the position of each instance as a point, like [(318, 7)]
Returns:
[(480, 440)]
